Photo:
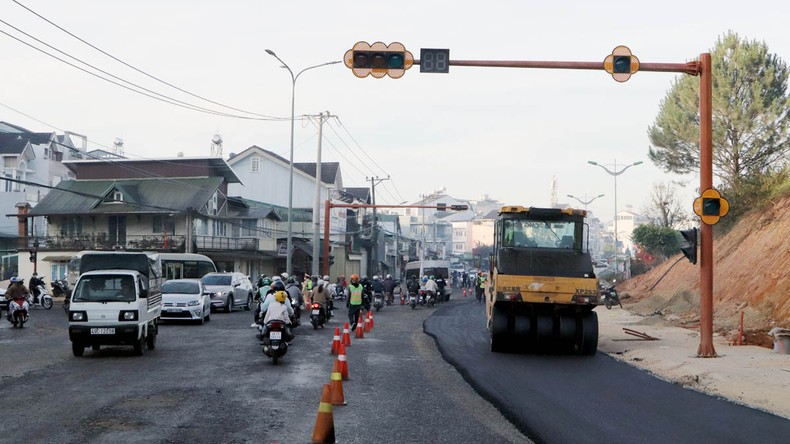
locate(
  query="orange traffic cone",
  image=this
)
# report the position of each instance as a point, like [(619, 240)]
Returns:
[(366, 325), (324, 430), (336, 386), (342, 362), (360, 327), (346, 339), (370, 316), (335, 342)]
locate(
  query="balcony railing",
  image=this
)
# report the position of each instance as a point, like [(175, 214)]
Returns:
[(226, 243), (175, 243)]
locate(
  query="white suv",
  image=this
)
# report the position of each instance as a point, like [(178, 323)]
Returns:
[(229, 290)]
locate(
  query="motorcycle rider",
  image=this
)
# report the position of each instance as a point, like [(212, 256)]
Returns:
[(430, 287), (264, 289), (440, 284), (412, 286), (307, 287), (367, 292), (377, 287), (321, 296), (35, 281), (276, 286), (16, 290), (389, 287), (354, 297), (279, 308)]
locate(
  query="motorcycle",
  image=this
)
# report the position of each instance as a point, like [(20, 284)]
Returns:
[(339, 293), (44, 299), (19, 307), (610, 297), (274, 340), (317, 315), (378, 301), (413, 299), (60, 288)]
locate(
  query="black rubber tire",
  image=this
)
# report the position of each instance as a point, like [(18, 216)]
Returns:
[(47, 303), (275, 358), (78, 349), (150, 339), (499, 333), (248, 307), (139, 346), (588, 334), (229, 308), (608, 303)]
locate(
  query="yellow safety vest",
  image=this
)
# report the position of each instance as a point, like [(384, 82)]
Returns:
[(356, 294)]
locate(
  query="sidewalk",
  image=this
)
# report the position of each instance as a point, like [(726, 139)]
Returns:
[(754, 376)]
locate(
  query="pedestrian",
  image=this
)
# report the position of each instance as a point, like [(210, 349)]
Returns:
[(354, 300)]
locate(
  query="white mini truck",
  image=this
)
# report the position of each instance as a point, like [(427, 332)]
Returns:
[(117, 300)]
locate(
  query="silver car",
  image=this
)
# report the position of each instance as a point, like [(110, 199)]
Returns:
[(186, 300), (229, 290)]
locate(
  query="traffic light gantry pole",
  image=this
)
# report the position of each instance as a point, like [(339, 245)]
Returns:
[(328, 205)]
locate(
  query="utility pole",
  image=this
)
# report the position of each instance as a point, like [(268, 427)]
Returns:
[(374, 235), (322, 117)]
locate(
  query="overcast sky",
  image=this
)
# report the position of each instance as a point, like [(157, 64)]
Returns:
[(504, 132)]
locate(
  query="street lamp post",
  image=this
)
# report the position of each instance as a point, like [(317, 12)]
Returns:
[(585, 202), (615, 173), (289, 239)]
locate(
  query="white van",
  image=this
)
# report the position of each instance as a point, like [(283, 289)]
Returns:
[(117, 300), (435, 268)]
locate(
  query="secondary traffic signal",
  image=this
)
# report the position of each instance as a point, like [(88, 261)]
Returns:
[(690, 251), (711, 206), (33, 255), (621, 63), (378, 59)]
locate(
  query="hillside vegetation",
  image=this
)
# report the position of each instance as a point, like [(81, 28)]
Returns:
[(750, 275)]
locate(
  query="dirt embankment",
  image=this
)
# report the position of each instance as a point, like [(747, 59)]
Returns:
[(751, 274)]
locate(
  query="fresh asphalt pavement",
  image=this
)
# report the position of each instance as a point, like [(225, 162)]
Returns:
[(573, 399)]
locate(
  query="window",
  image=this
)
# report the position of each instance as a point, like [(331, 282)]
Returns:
[(255, 164), (71, 226), (220, 229), (117, 196), (249, 227), (163, 224)]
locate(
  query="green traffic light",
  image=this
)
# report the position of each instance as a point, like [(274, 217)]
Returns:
[(711, 206), (621, 65), (395, 60)]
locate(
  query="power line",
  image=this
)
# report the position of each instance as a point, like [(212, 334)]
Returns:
[(135, 68), (152, 95)]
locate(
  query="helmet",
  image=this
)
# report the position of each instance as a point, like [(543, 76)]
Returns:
[(354, 278), (389, 276), (277, 278), (291, 280), (326, 277), (279, 296), (267, 281), (375, 277), (424, 279), (278, 286), (431, 277), (15, 279), (320, 283), (284, 276)]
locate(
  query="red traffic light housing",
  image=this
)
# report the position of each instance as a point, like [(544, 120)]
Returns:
[(690, 250)]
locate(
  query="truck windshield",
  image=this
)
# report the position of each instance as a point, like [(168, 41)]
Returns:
[(539, 234), (105, 288)]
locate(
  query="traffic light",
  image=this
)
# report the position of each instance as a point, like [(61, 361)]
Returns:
[(459, 207), (711, 206), (690, 251), (621, 63), (378, 59), (441, 206), (33, 255)]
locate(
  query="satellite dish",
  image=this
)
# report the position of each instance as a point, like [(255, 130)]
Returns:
[(118, 141), (217, 139)]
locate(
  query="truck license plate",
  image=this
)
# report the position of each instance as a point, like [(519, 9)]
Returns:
[(102, 331), (275, 335)]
